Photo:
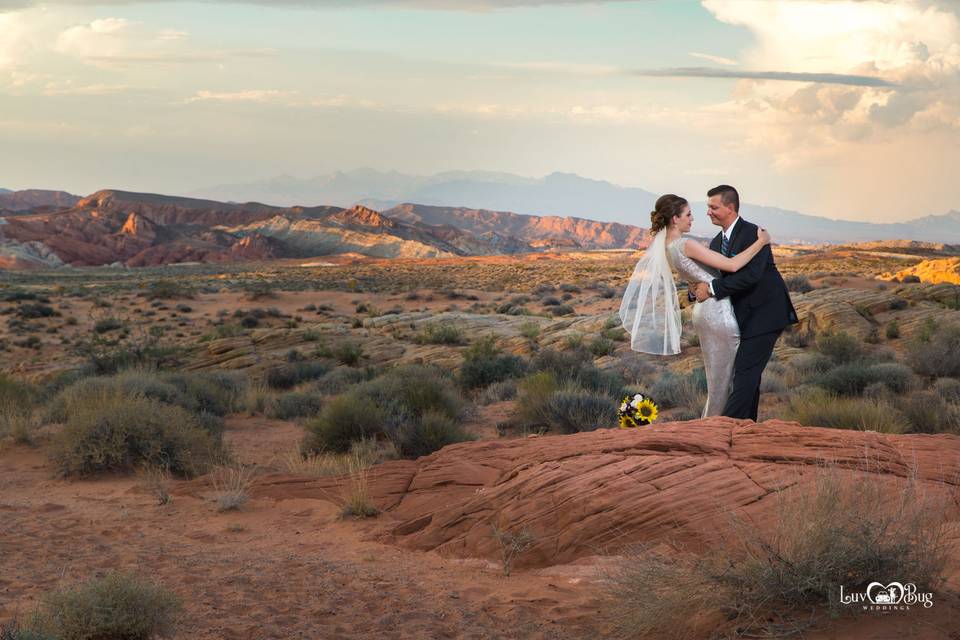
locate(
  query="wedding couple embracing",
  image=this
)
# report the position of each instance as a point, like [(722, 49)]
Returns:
[(742, 304)]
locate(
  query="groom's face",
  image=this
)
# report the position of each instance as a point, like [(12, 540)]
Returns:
[(719, 213)]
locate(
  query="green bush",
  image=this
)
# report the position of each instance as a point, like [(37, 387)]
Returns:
[(852, 378), (533, 394), (345, 419), (411, 391), (290, 375), (216, 393), (939, 354), (433, 431), (948, 389), (571, 409), (893, 330), (672, 390), (107, 324), (928, 412), (385, 406), (798, 284), (818, 408), (348, 352), (294, 405), (576, 367), (118, 606), (114, 432), (484, 364), (342, 378), (840, 347), (440, 333)]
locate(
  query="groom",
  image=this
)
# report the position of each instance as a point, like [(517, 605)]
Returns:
[(759, 297)]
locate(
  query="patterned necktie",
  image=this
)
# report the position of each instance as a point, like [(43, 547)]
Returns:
[(725, 246)]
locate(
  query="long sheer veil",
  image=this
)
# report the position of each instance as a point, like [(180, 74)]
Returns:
[(650, 311)]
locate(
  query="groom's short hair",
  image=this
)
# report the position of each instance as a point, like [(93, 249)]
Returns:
[(727, 194)]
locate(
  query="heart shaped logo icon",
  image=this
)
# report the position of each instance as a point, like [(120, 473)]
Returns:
[(890, 594)]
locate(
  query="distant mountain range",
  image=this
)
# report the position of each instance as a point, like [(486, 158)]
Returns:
[(39, 227), (141, 229), (561, 194)]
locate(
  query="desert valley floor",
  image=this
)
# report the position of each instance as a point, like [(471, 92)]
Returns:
[(287, 563)]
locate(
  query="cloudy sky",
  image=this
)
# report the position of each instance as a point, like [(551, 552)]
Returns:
[(848, 109)]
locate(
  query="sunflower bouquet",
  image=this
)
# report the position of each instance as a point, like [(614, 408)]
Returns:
[(636, 411)]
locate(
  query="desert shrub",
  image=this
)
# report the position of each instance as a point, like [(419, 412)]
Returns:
[(290, 375), (258, 290), (140, 349), (168, 289), (440, 333), (571, 409), (798, 283), (216, 393), (767, 581), (484, 364), (893, 330), (562, 310), (112, 431), (601, 346), (412, 390), (340, 379), (433, 431), (910, 279), (576, 367), (116, 606), (927, 412), (672, 390), (840, 347), (385, 405), (347, 352), (634, 369), (533, 394), (818, 408), (530, 330), (342, 420), (898, 304), (852, 378), (293, 405), (948, 389), (498, 392), (939, 355), (36, 310), (107, 324)]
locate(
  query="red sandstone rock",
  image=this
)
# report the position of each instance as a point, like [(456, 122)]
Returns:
[(595, 492)]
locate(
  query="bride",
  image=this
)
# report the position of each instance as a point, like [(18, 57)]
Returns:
[(650, 310)]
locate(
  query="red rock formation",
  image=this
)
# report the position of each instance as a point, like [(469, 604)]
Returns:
[(595, 492)]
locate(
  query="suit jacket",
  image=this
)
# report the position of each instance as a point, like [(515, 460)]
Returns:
[(759, 296)]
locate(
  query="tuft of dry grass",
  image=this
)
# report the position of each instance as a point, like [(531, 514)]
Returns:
[(355, 497), (155, 478), (232, 486)]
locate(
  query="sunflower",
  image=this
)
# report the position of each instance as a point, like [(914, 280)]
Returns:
[(647, 410), (626, 422)]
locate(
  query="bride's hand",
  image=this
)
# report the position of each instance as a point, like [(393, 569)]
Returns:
[(764, 236)]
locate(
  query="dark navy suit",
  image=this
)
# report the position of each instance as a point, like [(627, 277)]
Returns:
[(763, 309)]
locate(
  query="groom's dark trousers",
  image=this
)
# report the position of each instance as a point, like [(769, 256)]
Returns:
[(763, 309)]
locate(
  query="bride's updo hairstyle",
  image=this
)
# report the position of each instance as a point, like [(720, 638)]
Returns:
[(668, 205)]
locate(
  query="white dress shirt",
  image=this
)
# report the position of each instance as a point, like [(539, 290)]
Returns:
[(726, 234)]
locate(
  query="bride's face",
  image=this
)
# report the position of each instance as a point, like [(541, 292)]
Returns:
[(684, 221)]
